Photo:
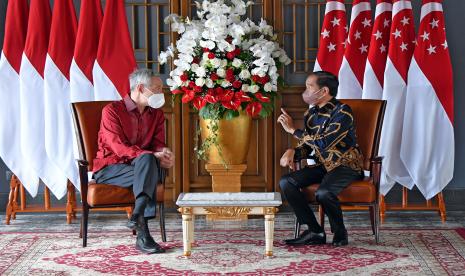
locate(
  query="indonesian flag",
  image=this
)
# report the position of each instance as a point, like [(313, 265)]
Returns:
[(428, 145), (10, 62), (356, 52), (115, 56), (32, 100), (85, 51), (401, 46), (373, 79), (58, 121), (333, 37)]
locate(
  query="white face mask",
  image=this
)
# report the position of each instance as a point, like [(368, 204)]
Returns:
[(155, 100)]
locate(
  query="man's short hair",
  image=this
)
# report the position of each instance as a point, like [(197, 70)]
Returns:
[(327, 79), (140, 76)]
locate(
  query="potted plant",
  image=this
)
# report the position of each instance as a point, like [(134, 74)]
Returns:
[(227, 68)]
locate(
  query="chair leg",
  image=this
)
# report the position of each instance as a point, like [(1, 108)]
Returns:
[(296, 228), (321, 212), (377, 221), (84, 224), (372, 218), (161, 208)]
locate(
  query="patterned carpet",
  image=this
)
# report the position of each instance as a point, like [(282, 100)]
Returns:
[(234, 252)]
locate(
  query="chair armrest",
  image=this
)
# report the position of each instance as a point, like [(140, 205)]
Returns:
[(83, 169), (376, 164)]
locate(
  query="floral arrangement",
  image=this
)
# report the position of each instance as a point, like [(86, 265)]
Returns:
[(224, 64)]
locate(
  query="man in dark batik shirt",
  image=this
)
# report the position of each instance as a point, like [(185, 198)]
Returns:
[(329, 138)]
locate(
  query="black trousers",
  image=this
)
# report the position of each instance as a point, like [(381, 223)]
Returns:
[(331, 184), (142, 174)]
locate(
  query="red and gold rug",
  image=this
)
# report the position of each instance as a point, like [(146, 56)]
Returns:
[(401, 252)]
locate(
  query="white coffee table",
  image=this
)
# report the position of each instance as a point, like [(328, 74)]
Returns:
[(227, 205)]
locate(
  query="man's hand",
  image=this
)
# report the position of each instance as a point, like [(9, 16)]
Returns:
[(287, 160), (286, 121), (166, 158)]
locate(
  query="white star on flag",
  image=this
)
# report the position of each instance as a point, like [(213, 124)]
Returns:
[(382, 48), (386, 23), (335, 21), (445, 44), (431, 49), (425, 36), (331, 47), (325, 33), (378, 35), (403, 46), (357, 35), (434, 23), (405, 21), (396, 33), (363, 48), (366, 22)]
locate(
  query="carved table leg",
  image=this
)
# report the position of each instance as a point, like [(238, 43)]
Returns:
[(442, 207), (10, 207), (269, 230), (187, 229)]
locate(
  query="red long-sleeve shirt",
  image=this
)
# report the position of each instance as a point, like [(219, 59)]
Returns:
[(125, 133)]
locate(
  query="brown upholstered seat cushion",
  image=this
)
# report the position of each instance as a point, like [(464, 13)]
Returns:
[(362, 191), (106, 194)]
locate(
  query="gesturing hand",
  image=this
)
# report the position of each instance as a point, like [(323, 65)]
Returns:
[(287, 160), (286, 121)]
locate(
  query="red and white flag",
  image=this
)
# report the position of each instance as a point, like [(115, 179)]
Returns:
[(373, 79), (10, 62), (58, 121), (332, 38), (32, 99), (428, 146), (401, 46), (85, 51), (356, 52), (115, 56)]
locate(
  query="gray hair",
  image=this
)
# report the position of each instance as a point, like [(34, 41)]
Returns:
[(140, 76)]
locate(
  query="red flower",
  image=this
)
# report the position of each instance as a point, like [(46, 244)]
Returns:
[(196, 60), (231, 79), (230, 55), (232, 104), (184, 77), (188, 96), (191, 84), (253, 109), (255, 78), (199, 103), (262, 98), (229, 72), (206, 50), (264, 80), (237, 51), (213, 76), (210, 98), (237, 84), (211, 55), (177, 91), (242, 97), (226, 96), (197, 89)]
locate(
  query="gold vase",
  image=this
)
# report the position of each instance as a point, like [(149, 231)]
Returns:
[(233, 139)]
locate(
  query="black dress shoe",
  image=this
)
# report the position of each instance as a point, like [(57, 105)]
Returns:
[(133, 223), (308, 238), (340, 239), (148, 245)]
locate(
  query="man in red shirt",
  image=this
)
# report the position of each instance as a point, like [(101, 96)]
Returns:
[(132, 150)]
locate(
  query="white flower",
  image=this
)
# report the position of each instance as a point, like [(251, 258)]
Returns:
[(237, 63), (245, 88), (224, 62), (200, 81), (274, 87), (216, 62), (209, 83), (267, 87), (200, 72), (254, 88), (244, 74), (207, 44), (259, 71), (225, 83), (194, 67), (221, 72), (163, 57)]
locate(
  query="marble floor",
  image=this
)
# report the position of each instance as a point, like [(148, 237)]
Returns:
[(285, 220)]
